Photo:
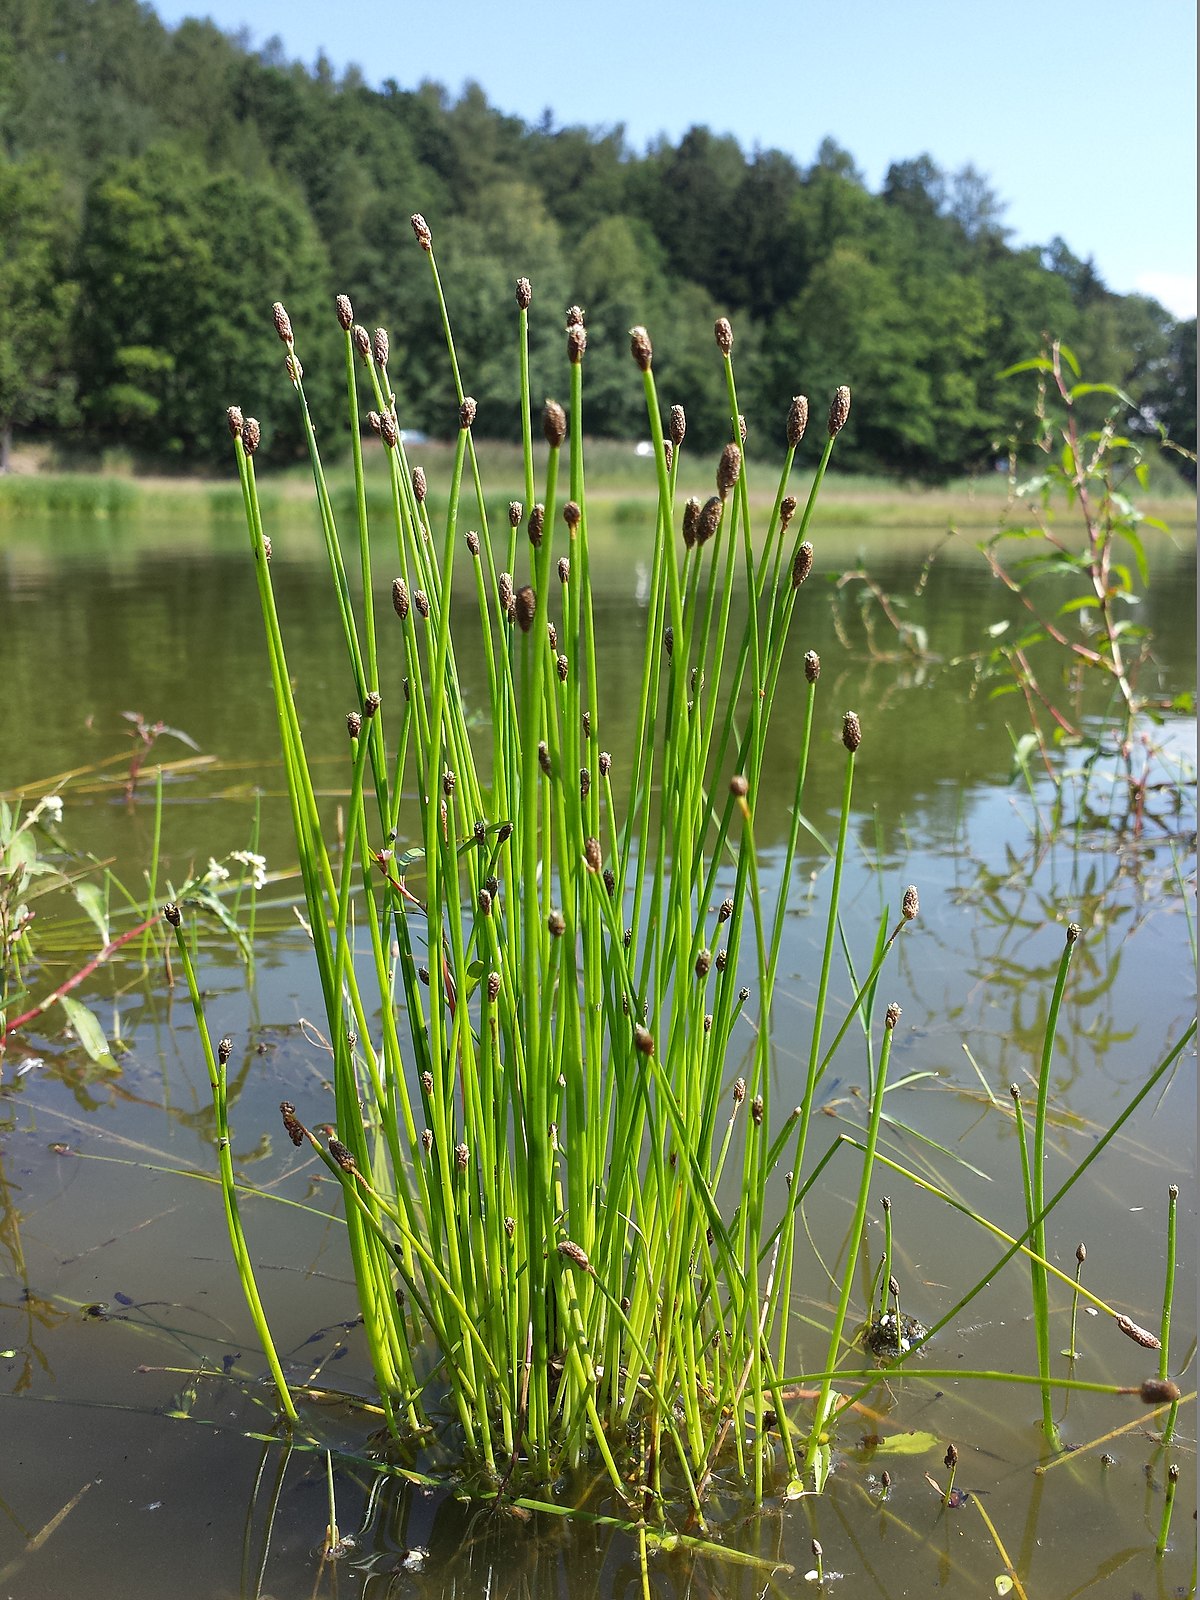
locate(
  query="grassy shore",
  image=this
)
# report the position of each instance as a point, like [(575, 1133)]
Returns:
[(620, 481)]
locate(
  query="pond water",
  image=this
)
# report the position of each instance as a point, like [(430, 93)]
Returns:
[(140, 1454)]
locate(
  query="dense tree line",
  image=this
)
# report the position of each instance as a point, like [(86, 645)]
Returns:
[(160, 187)]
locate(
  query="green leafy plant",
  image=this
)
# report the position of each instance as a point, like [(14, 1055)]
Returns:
[(1075, 558)]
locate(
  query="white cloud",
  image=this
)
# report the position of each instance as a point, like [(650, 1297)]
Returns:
[(1175, 290)]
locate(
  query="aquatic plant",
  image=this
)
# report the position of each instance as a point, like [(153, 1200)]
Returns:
[(571, 1206), (1072, 552), (538, 1156)]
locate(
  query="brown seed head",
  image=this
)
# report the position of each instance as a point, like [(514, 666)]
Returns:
[(739, 1091), (267, 546), (1142, 1336), (1158, 1392), (575, 1254), (283, 323), (564, 569), (421, 601), (234, 418), (1081, 1253), (641, 348), (691, 518), (485, 902), (524, 293), (294, 370), (388, 431), (554, 424), (1073, 932), (515, 513), (703, 963), (709, 520), (361, 339), (400, 598), (739, 786), (493, 986), (610, 881), (891, 1016), (725, 910), (644, 1040), (466, 412), (562, 667), (812, 666), (449, 782), (851, 732), (585, 783), (380, 347), (537, 522), (224, 1050), (427, 1140), (506, 593), (576, 343), (461, 1157), (839, 410), (544, 761), (525, 604), (678, 425), (592, 856), (803, 564), (292, 1123), (251, 435), (669, 640), (911, 904), (345, 311), (375, 420), (729, 469), (668, 453), (787, 510), (421, 228), (353, 723), (757, 1108), (342, 1155), (724, 335), (605, 763), (951, 1457), (473, 542), (420, 485), (797, 420), (574, 316)]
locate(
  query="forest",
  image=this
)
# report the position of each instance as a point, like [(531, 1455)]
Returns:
[(161, 187)]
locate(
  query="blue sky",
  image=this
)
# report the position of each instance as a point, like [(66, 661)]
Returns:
[(1083, 116)]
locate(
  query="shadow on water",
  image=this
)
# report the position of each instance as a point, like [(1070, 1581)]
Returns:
[(140, 1446)]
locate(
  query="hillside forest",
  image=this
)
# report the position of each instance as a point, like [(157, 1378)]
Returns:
[(161, 187)]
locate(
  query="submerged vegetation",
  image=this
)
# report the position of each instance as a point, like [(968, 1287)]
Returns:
[(575, 1217)]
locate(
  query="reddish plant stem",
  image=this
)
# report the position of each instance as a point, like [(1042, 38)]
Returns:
[(77, 978)]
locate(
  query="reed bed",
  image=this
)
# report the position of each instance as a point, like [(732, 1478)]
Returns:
[(571, 1205)]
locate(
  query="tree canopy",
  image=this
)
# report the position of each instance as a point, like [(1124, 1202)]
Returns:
[(160, 187)]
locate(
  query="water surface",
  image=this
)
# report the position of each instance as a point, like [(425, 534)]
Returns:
[(128, 1379)]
